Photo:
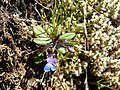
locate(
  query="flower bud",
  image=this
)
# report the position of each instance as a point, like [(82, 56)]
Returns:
[(70, 49)]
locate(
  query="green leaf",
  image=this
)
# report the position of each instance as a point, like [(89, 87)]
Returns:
[(61, 50), (50, 30), (67, 36), (59, 30), (42, 35), (38, 58), (68, 43), (38, 30), (42, 41)]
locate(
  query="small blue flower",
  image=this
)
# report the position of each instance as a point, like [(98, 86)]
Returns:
[(50, 63)]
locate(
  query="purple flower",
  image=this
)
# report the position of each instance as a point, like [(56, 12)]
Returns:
[(70, 49), (50, 63)]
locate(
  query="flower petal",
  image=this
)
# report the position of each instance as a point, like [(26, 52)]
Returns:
[(51, 60), (53, 68), (55, 60), (47, 67)]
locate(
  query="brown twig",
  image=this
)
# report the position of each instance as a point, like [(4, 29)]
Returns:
[(56, 73), (41, 5)]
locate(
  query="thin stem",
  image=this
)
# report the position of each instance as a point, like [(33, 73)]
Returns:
[(86, 45), (42, 78), (56, 73)]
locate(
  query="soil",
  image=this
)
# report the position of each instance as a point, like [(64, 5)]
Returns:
[(18, 70)]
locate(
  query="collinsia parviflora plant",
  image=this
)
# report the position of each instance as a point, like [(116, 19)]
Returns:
[(59, 43)]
